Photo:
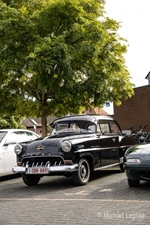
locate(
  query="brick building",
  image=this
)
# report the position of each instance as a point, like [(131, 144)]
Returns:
[(135, 111)]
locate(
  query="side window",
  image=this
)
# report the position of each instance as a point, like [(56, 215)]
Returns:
[(22, 136), (114, 128), (13, 136), (104, 127), (2, 135), (30, 136)]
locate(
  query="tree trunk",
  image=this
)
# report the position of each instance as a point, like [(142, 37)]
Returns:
[(43, 116), (44, 124)]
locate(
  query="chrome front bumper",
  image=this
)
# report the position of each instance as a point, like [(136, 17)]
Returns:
[(64, 168)]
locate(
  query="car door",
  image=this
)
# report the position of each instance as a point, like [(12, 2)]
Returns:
[(1, 160), (9, 157), (3, 135), (109, 143)]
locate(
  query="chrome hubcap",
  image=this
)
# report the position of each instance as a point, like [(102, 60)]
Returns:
[(83, 171)]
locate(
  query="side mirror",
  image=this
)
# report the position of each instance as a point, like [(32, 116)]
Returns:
[(10, 142)]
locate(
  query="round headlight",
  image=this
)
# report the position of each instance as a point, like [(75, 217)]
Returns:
[(66, 146), (18, 149)]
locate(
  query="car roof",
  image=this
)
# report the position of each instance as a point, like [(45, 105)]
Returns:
[(88, 117), (17, 130)]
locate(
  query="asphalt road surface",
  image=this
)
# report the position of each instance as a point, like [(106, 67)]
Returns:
[(106, 199)]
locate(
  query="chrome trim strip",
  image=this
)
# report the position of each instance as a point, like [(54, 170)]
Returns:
[(104, 167), (97, 149), (125, 146)]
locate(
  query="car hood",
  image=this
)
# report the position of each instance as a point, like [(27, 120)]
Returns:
[(143, 149), (52, 145)]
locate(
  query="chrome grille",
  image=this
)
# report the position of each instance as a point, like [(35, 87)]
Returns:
[(42, 161)]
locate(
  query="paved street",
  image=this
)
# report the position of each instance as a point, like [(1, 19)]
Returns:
[(106, 199)]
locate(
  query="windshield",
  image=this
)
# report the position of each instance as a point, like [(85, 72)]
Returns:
[(2, 135), (73, 127)]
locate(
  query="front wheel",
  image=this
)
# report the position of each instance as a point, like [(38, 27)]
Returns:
[(30, 180), (133, 183), (82, 176)]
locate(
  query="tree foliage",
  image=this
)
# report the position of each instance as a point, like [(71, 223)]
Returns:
[(7, 122), (56, 56)]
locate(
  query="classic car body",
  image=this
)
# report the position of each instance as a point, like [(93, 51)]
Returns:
[(8, 139), (77, 146), (137, 163)]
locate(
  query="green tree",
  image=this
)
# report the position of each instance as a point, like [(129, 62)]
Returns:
[(59, 55), (7, 122)]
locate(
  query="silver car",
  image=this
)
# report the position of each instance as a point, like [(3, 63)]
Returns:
[(8, 138)]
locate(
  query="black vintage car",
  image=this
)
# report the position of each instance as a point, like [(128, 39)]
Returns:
[(137, 162), (77, 146)]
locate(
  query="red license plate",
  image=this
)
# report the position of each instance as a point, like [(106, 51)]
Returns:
[(37, 170)]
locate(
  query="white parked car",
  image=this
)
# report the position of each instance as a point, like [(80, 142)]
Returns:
[(8, 139)]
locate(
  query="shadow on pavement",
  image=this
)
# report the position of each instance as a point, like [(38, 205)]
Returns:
[(8, 177)]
